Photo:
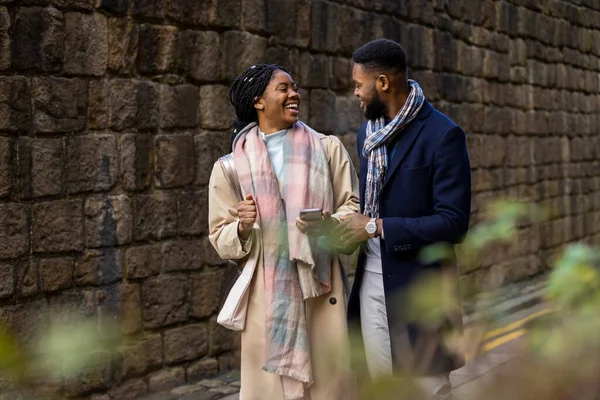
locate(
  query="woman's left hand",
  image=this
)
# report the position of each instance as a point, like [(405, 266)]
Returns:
[(321, 227)]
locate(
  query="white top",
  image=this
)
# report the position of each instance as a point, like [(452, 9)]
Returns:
[(373, 256), (274, 143)]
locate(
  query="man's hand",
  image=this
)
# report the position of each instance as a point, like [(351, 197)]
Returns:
[(247, 214), (351, 229), (321, 227)]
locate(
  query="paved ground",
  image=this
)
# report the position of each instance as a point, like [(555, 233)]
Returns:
[(500, 349)]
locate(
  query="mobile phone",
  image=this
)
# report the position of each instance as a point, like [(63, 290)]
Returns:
[(311, 214)]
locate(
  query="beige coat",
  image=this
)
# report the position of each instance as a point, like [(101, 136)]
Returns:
[(326, 315)]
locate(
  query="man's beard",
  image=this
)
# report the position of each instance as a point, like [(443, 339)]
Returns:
[(375, 108)]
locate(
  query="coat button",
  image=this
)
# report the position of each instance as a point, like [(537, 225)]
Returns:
[(332, 300)]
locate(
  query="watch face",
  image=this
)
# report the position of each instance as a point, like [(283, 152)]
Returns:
[(371, 228)]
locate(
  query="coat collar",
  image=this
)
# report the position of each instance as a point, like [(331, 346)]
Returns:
[(407, 138)]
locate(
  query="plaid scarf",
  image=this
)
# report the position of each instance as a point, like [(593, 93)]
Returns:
[(378, 134), (296, 267)]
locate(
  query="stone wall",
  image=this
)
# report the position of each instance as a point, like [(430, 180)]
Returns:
[(112, 113)]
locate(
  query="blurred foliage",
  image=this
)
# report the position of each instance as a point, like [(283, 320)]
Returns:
[(558, 359)]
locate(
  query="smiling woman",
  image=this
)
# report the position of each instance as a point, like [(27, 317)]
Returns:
[(294, 334)]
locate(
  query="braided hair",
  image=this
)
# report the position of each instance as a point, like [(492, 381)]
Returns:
[(246, 89)]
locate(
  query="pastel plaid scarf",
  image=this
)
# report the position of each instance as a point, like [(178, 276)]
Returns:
[(378, 133), (296, 267)]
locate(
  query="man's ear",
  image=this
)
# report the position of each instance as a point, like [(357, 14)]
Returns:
[(384, 82)]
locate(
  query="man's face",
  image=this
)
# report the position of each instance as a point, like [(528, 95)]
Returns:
[(366, 90)]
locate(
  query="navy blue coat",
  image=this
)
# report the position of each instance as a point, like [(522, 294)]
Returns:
[(425, 199)]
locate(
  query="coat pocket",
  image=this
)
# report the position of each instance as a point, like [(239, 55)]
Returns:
[(423, 169)]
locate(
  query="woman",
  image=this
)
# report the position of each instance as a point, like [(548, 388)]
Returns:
[(295, 337)]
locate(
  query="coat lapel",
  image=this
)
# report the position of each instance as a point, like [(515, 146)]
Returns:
[(406, 140)]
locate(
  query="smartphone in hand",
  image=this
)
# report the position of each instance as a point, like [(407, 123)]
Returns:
[(311, 214)]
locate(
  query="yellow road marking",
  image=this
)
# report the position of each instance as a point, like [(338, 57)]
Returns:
[(516, 324), (497, 342), (503, 339), (507, 333)]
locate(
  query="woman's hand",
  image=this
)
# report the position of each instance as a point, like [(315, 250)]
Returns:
[(247, 214), (321, 227)]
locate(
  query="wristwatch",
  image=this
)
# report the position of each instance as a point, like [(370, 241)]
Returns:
[(371, 227)]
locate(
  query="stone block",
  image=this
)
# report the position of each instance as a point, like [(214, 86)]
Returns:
[(156, 216), (56, 273), (15, 104), (325, 29), (351, 22), (6, 166), (123, 41), (108, 221), (155, 9), (26, 320), (7, 281), (157, 51), (166, 379), (519, 152), (183, 255), (206, 368), (340, 77), (99, 267), (131, 389), (14, 230), (205, 293), (95, 375), (143, 261), (216, 111), (491, 64), (144, 356), (165, 300), (86, 5), (241, 51), (255, 15), (192, 212), (60, 104), (226, 14), (91, 163), (119, 7), (136, 161), (286, 57), (133, 105), (200, 55), (40, 167), (131, 308), (86, 46), (445, 59), (494, 151), (314, 71), (98, 102), (323, 113), (221, 339), (209, 146), (38, 39), (210, 255), (58, 226), (185, 343), (5, 52), (179, 106), (289, 21), (174, 160), (27, 279)]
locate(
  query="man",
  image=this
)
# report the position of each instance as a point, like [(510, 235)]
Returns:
[(415, 190)]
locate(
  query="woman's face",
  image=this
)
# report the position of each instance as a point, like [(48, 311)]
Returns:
[(279, 104)]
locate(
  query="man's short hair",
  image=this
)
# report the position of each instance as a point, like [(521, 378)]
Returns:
[(381, 55)]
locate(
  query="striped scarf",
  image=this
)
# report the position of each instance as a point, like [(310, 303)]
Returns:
[(378, 134), (296, 267)]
